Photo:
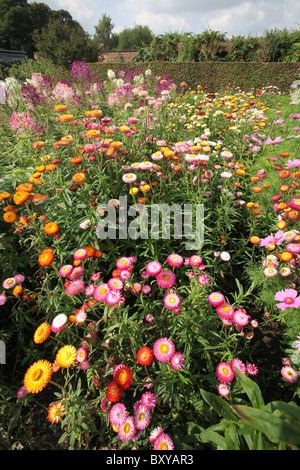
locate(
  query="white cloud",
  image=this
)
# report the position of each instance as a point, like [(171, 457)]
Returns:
[(234, 17)]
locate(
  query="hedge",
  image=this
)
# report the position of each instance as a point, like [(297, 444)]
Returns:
[(246, 75)]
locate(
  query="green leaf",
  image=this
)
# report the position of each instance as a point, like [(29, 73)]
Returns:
[(275, 428), (219, 405), (251, 389), (211, 436)]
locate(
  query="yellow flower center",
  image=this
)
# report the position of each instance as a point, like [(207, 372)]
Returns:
[(163, 446), (37, 374), (126, 428), (164, 348)]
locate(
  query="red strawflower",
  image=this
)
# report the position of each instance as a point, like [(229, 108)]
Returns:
[(123, 376), (144, 356), (113, 391)]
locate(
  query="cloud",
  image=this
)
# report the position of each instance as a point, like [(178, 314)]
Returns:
[(233, 17)]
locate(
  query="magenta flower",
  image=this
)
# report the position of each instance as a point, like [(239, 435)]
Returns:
[(293, 163), (276, 239), (288, 298)]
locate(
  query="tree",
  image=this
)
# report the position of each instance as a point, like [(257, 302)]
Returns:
[(63, 40), (131, 39), (104, 35), (16, 26)]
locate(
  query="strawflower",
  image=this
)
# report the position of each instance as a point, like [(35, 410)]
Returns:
[(224, 372), (163, 349), (38, 376), (55, 412), (289, 374)]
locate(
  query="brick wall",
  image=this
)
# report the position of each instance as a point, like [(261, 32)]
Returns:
[(117, 56)]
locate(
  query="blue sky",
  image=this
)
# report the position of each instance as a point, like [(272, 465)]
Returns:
[(233, 17)]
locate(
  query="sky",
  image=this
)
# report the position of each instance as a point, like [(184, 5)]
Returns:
[(231, 17)]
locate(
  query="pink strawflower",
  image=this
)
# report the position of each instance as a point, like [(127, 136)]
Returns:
[(59, 323), (89, 289), (155, 433), (163, 349), (177, 361), (293, 247), (195, 260), (172, 301), (288, 298), (81, 355), (224, 372), (80, 254), (163, 442), (141, 416), (148, 399), (3, 299), (75, 287), (76, 273), (22, 392), (203, 279), (175, 260), (240, 317), (153, 268), (270, 272), (289, 374), (166, 279), (125, 274), (129, 178), (216, 298), (95, 277), (126, 429), (146, 289), (66, 270), (295, 203), (113, 297), (101, 292), (115, 284), (85, 365), (225, 311), (117, 414), (239, 365), (252, 369), (223, 389), (124, 263), (19, 278), (104, 405), (9, 283)]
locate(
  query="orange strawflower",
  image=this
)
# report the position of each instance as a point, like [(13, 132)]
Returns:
[(10, 217), (90, 251), (55, 412), (25, 187), (20, 197), (78, 178), (4, 196), (60, 108), (42, 333), (17, 290), (66, 118), (51, 228), (38, 144), (46, 258)]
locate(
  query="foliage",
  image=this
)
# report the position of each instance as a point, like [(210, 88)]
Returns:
[(62, 42)]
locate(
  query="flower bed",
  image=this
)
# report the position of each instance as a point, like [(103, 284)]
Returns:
[(149, 236)]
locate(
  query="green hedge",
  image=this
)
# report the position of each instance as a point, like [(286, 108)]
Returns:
[(211, 74)]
